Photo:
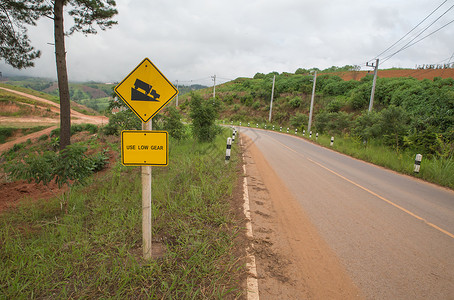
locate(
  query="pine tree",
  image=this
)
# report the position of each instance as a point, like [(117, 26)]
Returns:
[(15, 44)]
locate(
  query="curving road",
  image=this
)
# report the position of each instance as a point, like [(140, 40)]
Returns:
[(393, 234)]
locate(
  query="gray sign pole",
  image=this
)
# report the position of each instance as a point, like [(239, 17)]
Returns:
[(146, 203)]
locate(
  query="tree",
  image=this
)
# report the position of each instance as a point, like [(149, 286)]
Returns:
[(15, 46), (393, 122), (85, 14), (173, 124)]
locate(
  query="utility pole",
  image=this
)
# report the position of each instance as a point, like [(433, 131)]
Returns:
[(272, 94), (312, 103), (214, 86), (372, 93), (177, 94)]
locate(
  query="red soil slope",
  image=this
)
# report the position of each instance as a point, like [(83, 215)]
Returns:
[(418, 74)]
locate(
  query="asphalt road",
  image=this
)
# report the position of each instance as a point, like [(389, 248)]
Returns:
[(394, 234)]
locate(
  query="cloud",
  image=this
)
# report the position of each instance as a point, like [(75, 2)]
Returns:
[(190, 40)]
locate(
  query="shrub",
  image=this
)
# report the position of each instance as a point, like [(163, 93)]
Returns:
[(333, 122), (67, 166), (295, 102), (43, 137), (299, 120), (203, 115), (335, 105), (55, 132), (5, 133), (123, 120), (173, 124)]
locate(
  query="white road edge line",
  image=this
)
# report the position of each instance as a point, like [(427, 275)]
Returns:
[(252, 282)]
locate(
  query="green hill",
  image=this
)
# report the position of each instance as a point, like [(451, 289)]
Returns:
[(407, 112)]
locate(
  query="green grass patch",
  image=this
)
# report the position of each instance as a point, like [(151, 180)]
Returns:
[(31, 92), (92, 247), (435, 169)]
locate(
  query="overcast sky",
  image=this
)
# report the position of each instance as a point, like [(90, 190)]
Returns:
[(192, 40)]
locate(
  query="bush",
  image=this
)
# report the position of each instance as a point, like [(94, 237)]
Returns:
[(295, 102), (5, 133), (43, 137), (335, 105), (333, 123), (173, 124), (256, 105), (55, 132), (67, 166), (299, 120), (203, 115), (123, 120)]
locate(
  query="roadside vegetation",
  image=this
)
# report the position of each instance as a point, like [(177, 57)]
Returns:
[(409, 116), (87, 242)]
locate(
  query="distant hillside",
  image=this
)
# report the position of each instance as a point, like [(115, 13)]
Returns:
[(406, 111), (90, 94)]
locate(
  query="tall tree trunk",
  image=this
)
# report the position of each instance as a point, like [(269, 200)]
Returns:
[(60, 56)]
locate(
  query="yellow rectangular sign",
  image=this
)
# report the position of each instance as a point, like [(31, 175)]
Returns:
[(144, 148)]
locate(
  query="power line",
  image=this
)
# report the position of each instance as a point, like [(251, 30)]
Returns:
[(408, 44), (409, 32)]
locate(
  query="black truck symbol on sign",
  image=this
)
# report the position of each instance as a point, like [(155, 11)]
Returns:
[(146, 93)]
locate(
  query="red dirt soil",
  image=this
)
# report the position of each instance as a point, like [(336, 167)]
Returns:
[(12, 193), (418, 74)]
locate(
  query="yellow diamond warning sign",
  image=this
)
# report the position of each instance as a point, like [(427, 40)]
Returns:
[(144, 148), (146, 90)]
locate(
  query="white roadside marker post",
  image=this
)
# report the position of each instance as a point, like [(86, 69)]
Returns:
[(227, 151), (304, 132), (417, 166), (332, 141), (296, 130), (316, 136)]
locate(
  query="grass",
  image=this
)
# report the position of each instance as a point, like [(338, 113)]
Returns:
[(92, 249), (30, 91), (435, 170)]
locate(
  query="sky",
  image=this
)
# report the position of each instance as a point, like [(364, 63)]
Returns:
[(191, 41)]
